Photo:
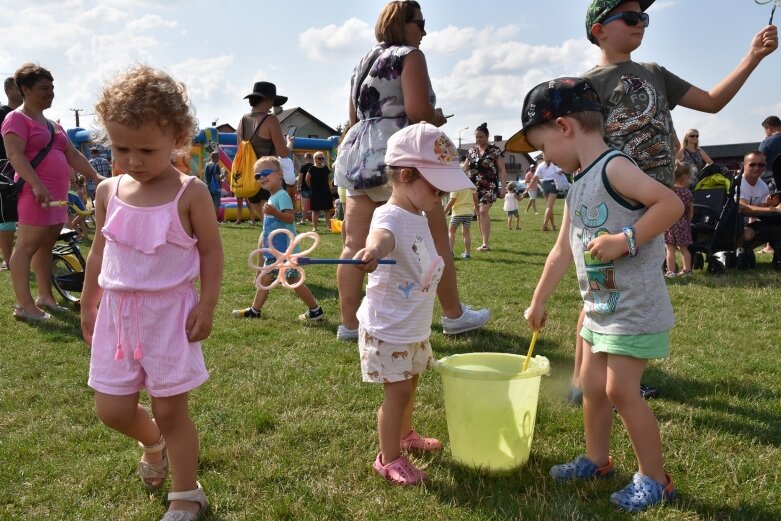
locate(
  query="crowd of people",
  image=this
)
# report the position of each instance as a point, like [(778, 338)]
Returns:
[(153, 241)]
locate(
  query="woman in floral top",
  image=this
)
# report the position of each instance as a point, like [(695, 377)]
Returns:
[(485, 166), (390, 89)]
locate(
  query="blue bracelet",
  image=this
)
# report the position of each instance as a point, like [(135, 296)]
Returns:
[(631, 242)]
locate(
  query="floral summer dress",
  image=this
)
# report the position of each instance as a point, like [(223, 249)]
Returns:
[(484, 172), (380, 109), (680, 233)]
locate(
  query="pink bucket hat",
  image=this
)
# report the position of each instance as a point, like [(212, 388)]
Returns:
[(425, 147)]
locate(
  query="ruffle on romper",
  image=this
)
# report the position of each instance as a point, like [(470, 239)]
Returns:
[(136, 230)]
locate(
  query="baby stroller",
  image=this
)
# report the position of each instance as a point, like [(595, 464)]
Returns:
[(716, 223)]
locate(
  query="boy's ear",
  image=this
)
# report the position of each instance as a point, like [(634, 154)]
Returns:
[(564, 124), (597, 32)]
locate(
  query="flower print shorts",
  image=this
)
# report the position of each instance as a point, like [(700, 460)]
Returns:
[(383, 362)]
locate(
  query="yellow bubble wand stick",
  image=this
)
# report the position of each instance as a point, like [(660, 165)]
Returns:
[(531, 350)]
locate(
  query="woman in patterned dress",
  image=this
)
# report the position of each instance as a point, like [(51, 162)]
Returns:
[(486, 170)]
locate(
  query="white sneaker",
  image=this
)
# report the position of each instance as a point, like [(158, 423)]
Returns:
[(345, 335), (470, 319)]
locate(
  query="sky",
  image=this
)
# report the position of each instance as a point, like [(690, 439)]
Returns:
[(482, 57)]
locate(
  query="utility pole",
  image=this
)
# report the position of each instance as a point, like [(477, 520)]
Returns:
[(459, 137), (76, 113)]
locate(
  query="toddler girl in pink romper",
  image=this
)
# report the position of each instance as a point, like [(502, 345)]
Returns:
[(154, 239)]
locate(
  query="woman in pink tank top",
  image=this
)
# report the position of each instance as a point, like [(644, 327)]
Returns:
[(154, 239)]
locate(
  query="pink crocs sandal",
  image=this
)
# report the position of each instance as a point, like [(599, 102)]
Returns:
[(414, 442), (400, 471)]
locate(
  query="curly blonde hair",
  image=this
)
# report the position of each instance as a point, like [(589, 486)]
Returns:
[(142, 95)]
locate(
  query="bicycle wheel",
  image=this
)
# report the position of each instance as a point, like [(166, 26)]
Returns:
[(68, 277)]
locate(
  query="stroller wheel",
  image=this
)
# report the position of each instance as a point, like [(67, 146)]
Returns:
[(716, 267), (697, 261)]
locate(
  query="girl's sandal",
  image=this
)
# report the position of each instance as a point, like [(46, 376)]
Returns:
[(153, 474), (194, 496)]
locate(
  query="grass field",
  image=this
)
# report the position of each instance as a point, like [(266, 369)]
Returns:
[(288, 429)]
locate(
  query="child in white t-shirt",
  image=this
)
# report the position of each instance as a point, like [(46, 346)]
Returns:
[(511, 206), (395, 316)]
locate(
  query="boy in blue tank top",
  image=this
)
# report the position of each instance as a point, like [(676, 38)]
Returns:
[(613, 220)]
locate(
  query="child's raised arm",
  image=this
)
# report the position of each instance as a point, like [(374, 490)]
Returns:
[(205, 229), (450, 203), (764, 43), (556, 266), (379, 244), (663, 209)]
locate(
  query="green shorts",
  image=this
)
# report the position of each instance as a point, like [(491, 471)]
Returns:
[(654, 345), (8, 227)]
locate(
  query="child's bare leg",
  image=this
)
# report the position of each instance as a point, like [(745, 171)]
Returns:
[(304, 293), (623, 380), (173, 417), (509, 222), (669, 258), (467, 232), (406, 422), (518, 222), (451, 235), (687, 258), (315, 218), (125, 415), (261, 294), (578, 351), (390, 418), (597, 409)]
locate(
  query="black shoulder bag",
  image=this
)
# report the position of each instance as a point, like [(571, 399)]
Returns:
[(9, 190)]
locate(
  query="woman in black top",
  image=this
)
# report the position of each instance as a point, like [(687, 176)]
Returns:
[(318, 177), (303, 187)]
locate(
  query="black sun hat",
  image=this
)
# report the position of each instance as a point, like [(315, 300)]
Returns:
[(266, 89)]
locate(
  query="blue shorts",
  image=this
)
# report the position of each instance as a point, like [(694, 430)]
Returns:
[(512, 213), (290, 273), (548, 187), (653, 345)]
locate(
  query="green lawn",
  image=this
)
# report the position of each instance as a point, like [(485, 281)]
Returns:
[(288, 429)]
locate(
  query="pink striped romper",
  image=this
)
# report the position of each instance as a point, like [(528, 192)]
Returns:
[(149, 266)]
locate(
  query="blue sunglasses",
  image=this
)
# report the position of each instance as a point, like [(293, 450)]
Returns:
[(630, 18), (264, 173)]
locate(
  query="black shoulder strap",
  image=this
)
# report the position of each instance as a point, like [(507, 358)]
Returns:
[(45, 150), (256, 128)]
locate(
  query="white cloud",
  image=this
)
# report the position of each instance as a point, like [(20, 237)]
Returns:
[(203, 75), (332, 41), (101, 15), (453, 39), (149, 22)]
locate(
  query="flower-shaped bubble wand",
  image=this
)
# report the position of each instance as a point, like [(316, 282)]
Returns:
[(290, 259)]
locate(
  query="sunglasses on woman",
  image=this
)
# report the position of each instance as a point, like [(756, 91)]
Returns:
[(630, 18), (420, 23)]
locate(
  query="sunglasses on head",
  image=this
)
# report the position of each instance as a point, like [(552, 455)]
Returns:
[(630, 18), (420, 23)]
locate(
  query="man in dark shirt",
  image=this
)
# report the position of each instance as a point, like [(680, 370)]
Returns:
[(7, 230)]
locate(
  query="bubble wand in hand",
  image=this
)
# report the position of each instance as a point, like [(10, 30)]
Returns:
[(772, 11), (285, 260)]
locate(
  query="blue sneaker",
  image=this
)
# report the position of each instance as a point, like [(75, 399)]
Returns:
[(644, 492), (582, 468)]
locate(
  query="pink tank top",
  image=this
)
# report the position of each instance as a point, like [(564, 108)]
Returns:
[(147, 249)]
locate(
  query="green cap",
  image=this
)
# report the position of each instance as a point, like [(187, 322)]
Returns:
[(598, 10)]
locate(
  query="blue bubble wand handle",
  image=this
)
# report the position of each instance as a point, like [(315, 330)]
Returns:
[(772, 11), (302, 261)]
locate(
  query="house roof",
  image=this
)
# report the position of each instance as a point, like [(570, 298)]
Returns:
[(282, 116)]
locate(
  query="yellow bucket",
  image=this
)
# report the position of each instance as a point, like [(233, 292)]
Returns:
[(491, 405)]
